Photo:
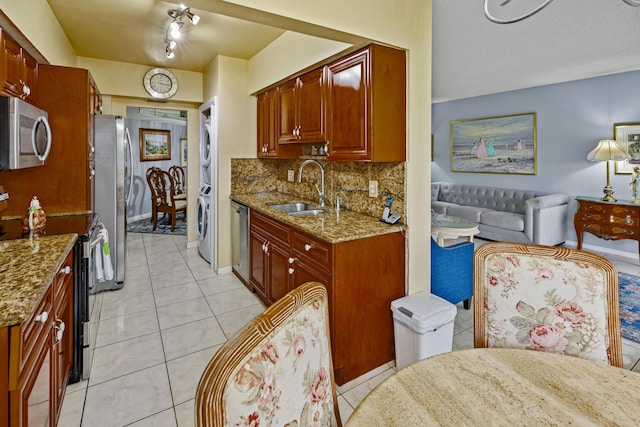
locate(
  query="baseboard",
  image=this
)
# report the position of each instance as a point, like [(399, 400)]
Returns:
[(595, 248), (224, 270), (193, 244)]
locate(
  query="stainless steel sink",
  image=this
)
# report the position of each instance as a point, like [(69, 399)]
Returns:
[(308, 212), (299, 208)]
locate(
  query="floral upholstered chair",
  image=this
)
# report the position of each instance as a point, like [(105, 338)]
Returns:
[(277, 370), (547, 298)]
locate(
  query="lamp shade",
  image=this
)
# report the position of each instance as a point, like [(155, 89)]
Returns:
[(607, 149)]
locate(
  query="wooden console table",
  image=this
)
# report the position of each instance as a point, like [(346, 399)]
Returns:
[(607, 220)]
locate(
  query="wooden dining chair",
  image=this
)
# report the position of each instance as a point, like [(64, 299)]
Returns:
[(154, 196), (547, 298), (277, 370), (163, 197), (178, 175)]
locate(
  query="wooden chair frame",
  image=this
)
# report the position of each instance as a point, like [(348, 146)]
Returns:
[(163, 196), (209, 405), (610, 278)]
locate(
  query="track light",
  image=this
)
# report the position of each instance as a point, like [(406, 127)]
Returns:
[(175, 27), (171, 44)]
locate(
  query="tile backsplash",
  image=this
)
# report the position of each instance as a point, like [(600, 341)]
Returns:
[(348, 180)]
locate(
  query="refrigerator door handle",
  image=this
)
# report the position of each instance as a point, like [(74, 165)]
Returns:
[(127, 143)]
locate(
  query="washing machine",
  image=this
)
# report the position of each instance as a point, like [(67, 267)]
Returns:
[(204, 229)]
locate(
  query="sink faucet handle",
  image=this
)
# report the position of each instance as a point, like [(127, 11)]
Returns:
[(320, 195)]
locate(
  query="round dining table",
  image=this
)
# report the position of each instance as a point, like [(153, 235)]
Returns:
[(503, 387)]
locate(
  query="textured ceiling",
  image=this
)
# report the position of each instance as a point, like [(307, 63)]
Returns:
[(568, 40), (134, 31)]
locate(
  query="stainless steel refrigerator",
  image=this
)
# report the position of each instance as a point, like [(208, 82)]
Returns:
[(112, 190)]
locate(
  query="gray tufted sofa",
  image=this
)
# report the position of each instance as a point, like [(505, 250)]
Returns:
[(505, 214)]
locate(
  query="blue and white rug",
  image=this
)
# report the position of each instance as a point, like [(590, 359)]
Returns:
[(164, 226), (629, 287)]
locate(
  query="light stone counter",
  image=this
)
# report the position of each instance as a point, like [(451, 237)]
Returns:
[(333, 226), (503, 387), (27, 267)]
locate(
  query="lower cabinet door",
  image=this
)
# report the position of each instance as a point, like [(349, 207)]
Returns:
[(280, 281), (257, 262), (32, 401), (63, 339)]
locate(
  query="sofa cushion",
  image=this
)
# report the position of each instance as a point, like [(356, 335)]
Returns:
[(507, 220), (441, 207), (471, 213)]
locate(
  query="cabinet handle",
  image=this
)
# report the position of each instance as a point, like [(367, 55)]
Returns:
[(307, 247), (266, 248), (291, 270), (42, 317), (291, 260), (66, 270), (59, 330)]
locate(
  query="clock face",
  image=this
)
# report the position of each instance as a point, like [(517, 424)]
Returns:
[(160, 83)]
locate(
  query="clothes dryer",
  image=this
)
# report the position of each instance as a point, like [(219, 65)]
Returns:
[(204, 233), (206, 147)]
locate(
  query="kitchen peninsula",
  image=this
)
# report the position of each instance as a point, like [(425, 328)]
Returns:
[(359, 260), (36, 317)]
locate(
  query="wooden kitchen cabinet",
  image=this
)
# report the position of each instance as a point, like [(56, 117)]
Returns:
[(18, 70), (269, 257), (37, 355), (301, 105), (366, 106), (268, 146), (362, 277), (65, 183), (63, 330)]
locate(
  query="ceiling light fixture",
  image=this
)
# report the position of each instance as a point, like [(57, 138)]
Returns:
[(175, 27), (492, 18)]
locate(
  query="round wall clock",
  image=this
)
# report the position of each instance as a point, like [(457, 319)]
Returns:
[(160, 83)]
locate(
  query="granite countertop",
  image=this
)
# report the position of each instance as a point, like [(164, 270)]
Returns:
[(27, 267), (333, 226)]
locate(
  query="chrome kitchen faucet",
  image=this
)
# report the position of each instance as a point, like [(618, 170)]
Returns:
[(321, 189)]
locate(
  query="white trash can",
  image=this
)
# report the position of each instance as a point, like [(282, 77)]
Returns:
[(422, 326)]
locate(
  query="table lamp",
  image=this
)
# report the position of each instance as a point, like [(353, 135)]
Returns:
[(607, 150)]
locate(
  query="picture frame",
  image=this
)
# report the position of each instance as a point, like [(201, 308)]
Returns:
[(627, 136), (498, 144), (155, 144), (183, 152)]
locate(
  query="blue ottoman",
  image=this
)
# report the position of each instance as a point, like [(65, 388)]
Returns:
[(452, 272)]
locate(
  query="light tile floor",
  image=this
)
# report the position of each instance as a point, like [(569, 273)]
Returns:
[(156, 335)]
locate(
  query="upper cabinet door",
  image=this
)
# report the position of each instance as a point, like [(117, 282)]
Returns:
[(311, 101), (286, 104), (348, 102), (18, 69), (301, 105), (366, 106)]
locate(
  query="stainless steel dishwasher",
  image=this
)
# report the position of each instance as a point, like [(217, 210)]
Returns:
[(240, 240)]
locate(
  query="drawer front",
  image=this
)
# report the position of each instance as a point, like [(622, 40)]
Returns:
[(269, 227), (32, 330), (65, 271), (608, 221), (311, 249)]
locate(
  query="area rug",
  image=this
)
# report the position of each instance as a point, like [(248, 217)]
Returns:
[(629, 287), (164, 226)]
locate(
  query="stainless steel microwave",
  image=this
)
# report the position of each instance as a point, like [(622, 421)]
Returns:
[(25, 134)]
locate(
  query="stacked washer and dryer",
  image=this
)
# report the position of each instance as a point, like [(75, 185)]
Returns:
[(205, 223)]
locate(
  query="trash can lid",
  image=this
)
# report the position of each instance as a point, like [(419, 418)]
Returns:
[(423, 312)]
